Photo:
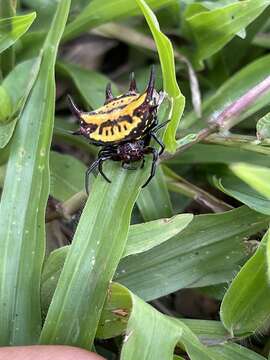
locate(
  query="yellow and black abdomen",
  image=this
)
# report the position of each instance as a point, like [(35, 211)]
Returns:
[(125, 118)]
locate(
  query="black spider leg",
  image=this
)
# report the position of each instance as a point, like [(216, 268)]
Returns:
[(97, 164), (154, 152), (152, 134)]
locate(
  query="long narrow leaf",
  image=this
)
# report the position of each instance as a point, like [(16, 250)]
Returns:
[(246, 305), (24, 198), (207, 252), (18, 85), (213, 29), (100, 12), (13, 28), (166, 56), (149, 334), (141, 237), (97, 248)]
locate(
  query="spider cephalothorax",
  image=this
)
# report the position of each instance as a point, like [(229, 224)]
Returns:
[(123, 126)]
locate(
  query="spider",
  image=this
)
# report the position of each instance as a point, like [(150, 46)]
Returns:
[(124, 127)]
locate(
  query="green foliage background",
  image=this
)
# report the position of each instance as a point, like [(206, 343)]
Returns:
[(202, 223)]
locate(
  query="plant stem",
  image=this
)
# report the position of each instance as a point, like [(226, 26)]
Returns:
[(178, 184), (228, 117), (244, 142), (68, 207), (202, 134)]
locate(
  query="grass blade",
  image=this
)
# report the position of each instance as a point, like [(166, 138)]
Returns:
[(100, 12), (90, 84), (149, 334), (66, 176), (24, 198), (11, 29), (154, 201), (202, 247), (166, 56), (141, 238), (256, 177), (97, 247), (213, 29), (18, 85), (246, 306), (238, 189)]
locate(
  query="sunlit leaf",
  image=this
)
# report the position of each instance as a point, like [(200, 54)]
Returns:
[(256, 177)]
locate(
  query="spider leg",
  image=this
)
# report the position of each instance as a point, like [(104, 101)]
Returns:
[(142, 164), (152, 133), (158, 127), (96, 164), (102, 159), (107, 150), (88, 172), (154, 152), (160, 142)]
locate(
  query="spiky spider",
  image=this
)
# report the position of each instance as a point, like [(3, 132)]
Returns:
[(124, 127)]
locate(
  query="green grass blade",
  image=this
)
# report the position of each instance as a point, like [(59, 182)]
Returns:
[(236, 352), (141, 238), (213, 29), (268, 258), (145, 236), (11, 29), (209, 332), (166, 56), (154, 200), (238, 189), (66, 176), (24, 198), (148, 333), (219, 154), (97, 247), (213, 334), (207, 252), (7, 10), (18, 85), (246, 305), (100, 12), (90, 84), (256, 177)]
